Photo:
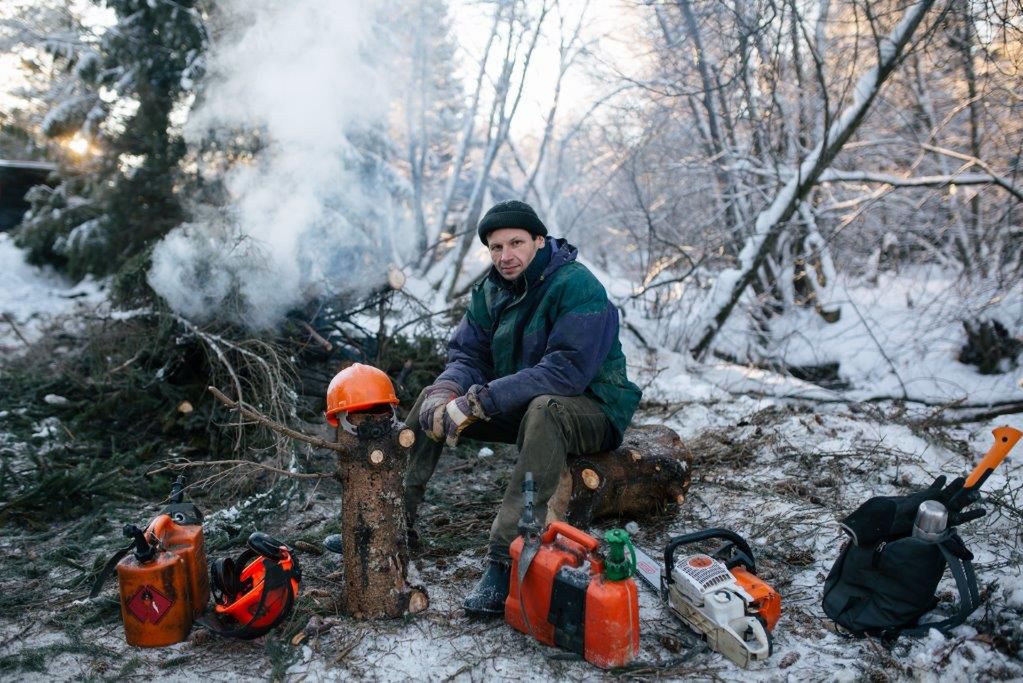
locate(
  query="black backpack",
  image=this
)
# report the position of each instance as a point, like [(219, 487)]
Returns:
[(884, 589)]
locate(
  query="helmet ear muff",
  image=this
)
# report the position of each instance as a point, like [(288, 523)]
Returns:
[(224, 577)]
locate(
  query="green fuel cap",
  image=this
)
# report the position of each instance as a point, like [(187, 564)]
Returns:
[(618, 567)]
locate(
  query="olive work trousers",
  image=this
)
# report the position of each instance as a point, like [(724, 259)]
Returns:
[(548, 430)]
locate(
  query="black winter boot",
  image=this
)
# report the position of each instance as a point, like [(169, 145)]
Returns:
[(489, 594)]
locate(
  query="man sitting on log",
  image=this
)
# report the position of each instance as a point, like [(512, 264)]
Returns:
[(536, 361)]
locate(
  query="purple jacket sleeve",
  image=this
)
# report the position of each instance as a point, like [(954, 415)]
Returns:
[(577, 345), (469, 359)]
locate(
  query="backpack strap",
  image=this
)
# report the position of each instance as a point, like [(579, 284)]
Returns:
[(959, 563)]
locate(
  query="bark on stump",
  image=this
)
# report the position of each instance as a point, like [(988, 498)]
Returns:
[(649, 473), (374, 537)]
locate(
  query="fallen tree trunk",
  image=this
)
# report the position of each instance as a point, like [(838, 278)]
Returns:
[(648, 474), (374, 538)]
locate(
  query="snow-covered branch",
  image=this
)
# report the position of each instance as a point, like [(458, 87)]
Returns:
[(770, 223), (837, 175)]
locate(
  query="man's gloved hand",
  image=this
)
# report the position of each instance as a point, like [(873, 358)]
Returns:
[(431, 410), (886, 518), (462, 412)]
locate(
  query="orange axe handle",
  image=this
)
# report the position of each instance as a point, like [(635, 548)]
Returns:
[(1005, 438)]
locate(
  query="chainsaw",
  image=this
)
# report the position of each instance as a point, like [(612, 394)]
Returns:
[(718, 596)]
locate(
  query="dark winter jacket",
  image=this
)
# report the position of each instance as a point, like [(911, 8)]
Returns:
[(550, 331)]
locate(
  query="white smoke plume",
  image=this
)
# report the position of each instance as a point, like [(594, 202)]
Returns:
[(307, 218)]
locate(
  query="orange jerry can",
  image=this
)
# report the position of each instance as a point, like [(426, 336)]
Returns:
[(186, 541), (163, 577), (574, 598), (156, 604)]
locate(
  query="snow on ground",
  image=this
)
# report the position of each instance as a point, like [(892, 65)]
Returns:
[(780, 472), (781, 475), (30, 297), (898, 338)]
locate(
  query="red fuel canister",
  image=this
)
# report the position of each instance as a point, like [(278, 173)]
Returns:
[(570, 600), (156, 607), (163, 579)]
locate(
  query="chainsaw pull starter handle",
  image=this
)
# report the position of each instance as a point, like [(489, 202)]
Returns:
[(697, 536)]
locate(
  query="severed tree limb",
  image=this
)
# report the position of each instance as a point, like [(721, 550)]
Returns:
[(649, 472), (251, 413), (317, 337), (1010, 409), (771, 222), (243, 463)]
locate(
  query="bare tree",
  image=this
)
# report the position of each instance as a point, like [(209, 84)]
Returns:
[(771, 221)]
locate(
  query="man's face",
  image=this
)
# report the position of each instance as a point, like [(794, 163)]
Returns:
[(512, 250)]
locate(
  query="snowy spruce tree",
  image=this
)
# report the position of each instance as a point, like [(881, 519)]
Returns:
[(125, 88)]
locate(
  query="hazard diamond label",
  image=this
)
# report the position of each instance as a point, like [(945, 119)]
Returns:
[(148, 605)]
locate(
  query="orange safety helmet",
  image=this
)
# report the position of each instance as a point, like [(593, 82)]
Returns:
[(358, 387), (256, 591)]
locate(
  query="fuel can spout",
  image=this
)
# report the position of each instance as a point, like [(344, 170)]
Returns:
[(177, 493), (618, 567), (144, 551)]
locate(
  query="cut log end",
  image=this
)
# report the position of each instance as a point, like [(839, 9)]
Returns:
[(650, 471), (418, 602), (376, 457), (395, 277), (406, 438)]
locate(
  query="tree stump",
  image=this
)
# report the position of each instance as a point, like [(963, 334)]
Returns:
[(374, 537), (648, 473)]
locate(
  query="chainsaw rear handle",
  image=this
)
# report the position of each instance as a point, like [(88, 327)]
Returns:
[(571, 533), (697, 536)]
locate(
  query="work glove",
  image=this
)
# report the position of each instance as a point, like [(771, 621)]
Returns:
[(462, 412), (887, 518), (431, 410), (955, 498)]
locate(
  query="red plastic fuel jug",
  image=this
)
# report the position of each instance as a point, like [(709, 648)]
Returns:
[(163, 580), (574, 598), (156, 604)]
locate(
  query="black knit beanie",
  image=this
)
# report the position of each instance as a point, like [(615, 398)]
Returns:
[(511, 214)]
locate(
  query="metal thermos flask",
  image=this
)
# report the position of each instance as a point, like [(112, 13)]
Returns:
[(931, 520)]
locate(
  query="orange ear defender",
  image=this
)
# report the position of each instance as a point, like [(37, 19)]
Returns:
[(254, 592)]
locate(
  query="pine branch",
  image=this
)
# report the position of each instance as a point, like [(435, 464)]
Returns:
[(243, 463), (251, 413)]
